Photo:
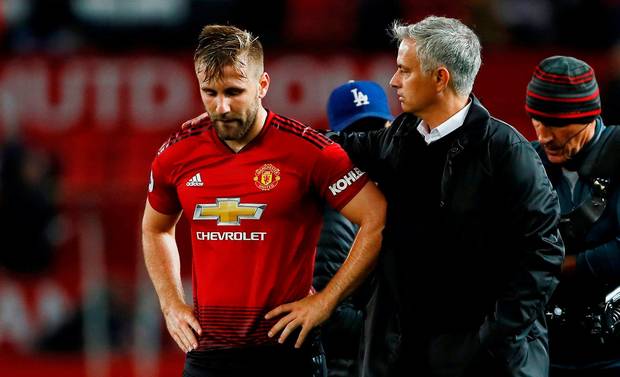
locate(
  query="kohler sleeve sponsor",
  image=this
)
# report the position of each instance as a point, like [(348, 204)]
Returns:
[(345, 181)]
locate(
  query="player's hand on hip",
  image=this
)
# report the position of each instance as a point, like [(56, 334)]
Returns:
[(308, 313), (182, 325)]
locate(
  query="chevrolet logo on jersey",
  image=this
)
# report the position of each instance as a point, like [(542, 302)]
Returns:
[(229, 211)]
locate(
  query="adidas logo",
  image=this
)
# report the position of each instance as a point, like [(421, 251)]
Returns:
[(195, 181)]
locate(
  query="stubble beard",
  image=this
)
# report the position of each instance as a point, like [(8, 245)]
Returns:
[(233, 129)]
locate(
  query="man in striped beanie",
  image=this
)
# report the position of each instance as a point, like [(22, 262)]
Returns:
[(563, 102), (581, 158)]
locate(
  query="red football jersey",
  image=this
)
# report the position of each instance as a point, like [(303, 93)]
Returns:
[(255, 219)]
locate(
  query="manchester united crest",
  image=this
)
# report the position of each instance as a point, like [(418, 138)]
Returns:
[(267, 177)]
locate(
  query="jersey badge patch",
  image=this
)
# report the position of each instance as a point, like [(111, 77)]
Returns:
[(267, 177)]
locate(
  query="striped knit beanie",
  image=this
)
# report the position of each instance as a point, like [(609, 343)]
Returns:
[(563, 91)]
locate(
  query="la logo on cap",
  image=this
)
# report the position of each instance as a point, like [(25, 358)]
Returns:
[(359, 98)]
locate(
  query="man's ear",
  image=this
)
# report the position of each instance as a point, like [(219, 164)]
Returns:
[(263, 85), (442, 78)]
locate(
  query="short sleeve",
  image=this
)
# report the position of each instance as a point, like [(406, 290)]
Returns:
[(336, 178), (162, 194)]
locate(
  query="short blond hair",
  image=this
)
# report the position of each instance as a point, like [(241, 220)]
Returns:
[(223, 45)]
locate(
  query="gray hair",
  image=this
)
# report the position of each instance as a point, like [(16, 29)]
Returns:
[(442, 41)]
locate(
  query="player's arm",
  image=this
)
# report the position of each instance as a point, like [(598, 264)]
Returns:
[(367, 209), (162, 262)]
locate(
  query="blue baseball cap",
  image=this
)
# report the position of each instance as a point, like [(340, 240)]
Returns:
[(356, 100)]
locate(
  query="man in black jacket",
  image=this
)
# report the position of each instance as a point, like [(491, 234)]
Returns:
[(581, 157), (471, 249)]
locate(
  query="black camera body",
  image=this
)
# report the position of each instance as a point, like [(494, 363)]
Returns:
[(601, 322), (611, 313)]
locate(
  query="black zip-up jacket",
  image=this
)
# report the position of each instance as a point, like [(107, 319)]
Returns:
[(472, 298)]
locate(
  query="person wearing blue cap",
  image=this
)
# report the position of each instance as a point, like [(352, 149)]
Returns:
[(356, 106), (471, 250)]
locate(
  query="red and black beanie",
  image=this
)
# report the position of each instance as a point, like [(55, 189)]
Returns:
[(563, 90)]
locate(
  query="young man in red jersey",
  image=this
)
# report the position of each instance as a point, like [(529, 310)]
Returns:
[(252, 185)]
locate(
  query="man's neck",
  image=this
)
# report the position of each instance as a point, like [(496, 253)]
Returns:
[(255, 129), (445, 107)]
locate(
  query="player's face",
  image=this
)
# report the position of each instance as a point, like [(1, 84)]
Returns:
[(562, 143), (414, 87), (233, 101)]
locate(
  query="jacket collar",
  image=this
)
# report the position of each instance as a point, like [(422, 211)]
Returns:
[(472, 132), (476, 125)]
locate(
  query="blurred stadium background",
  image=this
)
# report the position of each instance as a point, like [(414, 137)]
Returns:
[(89, 89)]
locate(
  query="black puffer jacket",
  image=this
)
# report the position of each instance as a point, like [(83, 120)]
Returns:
[(472, 296)]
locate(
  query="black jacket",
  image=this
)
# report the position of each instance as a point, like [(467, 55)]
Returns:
[(474, 296), (598, 258), (597, 252)]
